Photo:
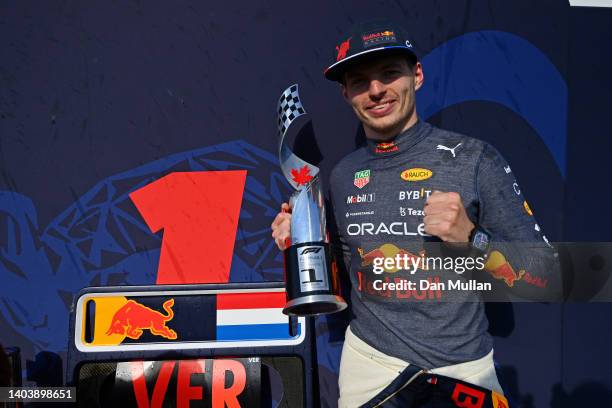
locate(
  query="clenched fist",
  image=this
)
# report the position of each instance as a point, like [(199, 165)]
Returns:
[(445, 217), (281, 227)]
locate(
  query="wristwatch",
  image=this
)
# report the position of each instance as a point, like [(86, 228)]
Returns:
[(480, 239)]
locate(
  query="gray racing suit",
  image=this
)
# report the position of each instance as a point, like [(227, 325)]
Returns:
[(378, 193)]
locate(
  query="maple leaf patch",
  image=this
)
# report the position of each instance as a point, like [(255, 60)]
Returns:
[(301, 176)]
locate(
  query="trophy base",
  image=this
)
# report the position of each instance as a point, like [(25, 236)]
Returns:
[(314, 305)]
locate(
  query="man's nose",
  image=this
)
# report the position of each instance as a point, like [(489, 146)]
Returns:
[(377, 89)]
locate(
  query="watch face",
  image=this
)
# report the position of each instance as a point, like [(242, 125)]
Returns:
[(481, 240)]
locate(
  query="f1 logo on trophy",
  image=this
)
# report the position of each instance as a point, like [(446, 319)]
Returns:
[(312, 284)]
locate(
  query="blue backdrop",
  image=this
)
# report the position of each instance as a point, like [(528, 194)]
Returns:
[(98, 99)]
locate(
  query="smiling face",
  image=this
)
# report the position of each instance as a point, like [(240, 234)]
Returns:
[(382, 94)]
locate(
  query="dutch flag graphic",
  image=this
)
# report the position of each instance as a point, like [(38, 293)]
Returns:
[(257, 316)]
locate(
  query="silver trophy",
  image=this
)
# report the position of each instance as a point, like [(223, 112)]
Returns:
[(312, 285)]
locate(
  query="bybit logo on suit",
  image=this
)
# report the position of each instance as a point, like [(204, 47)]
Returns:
[(414, 194)]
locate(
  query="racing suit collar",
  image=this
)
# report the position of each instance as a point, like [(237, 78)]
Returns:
[(399, 143)]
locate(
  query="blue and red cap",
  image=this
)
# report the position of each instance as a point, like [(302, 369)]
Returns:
[(368, 40)]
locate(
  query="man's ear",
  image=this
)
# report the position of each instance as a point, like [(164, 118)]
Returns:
[(419, 77), (344, 92)]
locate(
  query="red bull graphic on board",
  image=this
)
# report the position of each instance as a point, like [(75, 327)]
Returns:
[(164, 320), (120, 320), (134, 317)]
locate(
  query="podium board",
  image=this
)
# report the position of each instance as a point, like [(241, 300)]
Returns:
[(212, 345)]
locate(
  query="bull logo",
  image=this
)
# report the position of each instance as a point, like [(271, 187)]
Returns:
[(386, 147), (343, 49), (499, 268), (132, 318)]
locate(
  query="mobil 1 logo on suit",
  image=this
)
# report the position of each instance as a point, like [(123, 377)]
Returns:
[(313, 268)]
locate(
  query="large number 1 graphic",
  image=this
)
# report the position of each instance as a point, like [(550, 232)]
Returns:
[(198, 212)]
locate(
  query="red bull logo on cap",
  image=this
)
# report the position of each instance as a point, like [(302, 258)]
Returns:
[(343, 49), (376, 37)]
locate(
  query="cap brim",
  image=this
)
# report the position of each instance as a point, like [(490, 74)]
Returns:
[(334, 71)]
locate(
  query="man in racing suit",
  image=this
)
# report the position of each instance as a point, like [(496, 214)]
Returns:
[(414, 183)]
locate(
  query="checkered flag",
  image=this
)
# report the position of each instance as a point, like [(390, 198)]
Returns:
[(289, 108)]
